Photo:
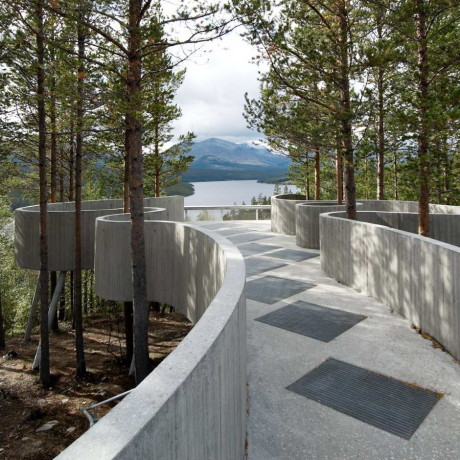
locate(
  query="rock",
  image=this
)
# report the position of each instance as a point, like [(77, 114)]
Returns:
[(10, 355), (71, 429), (65, 400), (47, 426), (25, 438)]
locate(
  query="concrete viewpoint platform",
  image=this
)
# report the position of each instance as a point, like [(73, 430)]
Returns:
[(285, 425)]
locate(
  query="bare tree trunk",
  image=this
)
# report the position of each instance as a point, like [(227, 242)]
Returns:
[(126, 170), (307, 179), (53, 282), (346, 115), (136, 195), (128, 317), (78, 315), (422, 65), (44, 333), (71, 163), (62, 303), (381, 119), (2, 326), (157, 183), (53, 174), (396, 178), (317, 175), (339, 176)]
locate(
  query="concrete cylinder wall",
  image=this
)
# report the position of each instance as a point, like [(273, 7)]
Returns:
[(61, 230), (402, 215), (415, 276), (193, 405), (307, 221), (283, 213)]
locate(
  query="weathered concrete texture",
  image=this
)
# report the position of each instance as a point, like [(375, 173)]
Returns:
[(174, 206), (444, 224), (286, 426), (307, 221), (283, 213), (61, 234), (413, 275), (193, 405)]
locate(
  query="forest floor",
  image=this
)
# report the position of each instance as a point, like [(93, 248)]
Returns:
[(25, 406)]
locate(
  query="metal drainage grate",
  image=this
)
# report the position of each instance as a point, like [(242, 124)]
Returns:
[(220, 225), (232, 231), (258, 265), (247, 237), (256, 248), (294, 256), (314, 321), (272, 289), (391, 405)]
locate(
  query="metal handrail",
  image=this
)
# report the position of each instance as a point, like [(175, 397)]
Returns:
[(93, 418), (230, 207)]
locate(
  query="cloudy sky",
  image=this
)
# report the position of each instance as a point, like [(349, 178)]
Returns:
[(212, 96)]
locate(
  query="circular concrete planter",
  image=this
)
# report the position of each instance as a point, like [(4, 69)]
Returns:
[(307, 221), (61, 230), (283, 213)]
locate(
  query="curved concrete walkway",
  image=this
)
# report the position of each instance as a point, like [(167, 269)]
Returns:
[(286, 425)]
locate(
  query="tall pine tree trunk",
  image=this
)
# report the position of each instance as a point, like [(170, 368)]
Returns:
[(346, 114), (317, 175), (41, 114), (2, 326), (136, 195), (381, 118), (423, 136), (77, 304)]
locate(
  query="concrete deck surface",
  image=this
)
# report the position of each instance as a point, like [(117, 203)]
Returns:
[(284, 425)]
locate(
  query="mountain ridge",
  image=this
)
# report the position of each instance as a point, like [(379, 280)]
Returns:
[(218, 159)]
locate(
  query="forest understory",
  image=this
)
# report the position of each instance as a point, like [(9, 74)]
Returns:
[(25, 406)]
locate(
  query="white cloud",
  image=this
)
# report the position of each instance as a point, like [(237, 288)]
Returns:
[(212, 95)]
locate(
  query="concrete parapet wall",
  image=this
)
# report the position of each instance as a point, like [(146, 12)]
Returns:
[(402, 215), (193, 405), (283, 213), (413, 275), (61, 230)]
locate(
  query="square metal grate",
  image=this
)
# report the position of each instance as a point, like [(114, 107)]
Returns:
[(293, 256), (272, 289), (250, 249), (220, 225), (247, 237), (311, 320), (391, 405), (258, 265), (232, 231)]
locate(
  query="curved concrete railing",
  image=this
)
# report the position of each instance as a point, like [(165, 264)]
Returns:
[(404, 217), (415, 276), (193, 405), (283, 213), (61, 230)]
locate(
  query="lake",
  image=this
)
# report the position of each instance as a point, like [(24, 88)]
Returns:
[(226, 193), (229, 192)]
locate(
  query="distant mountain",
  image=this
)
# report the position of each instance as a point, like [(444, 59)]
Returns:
[(216, 159)]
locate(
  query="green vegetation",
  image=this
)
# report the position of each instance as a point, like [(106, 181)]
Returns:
[(182, 188), (362, 95)]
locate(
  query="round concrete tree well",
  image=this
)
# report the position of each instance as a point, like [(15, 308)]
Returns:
[(283, 212)]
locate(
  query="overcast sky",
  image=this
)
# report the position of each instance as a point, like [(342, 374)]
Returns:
[(212, 95)]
